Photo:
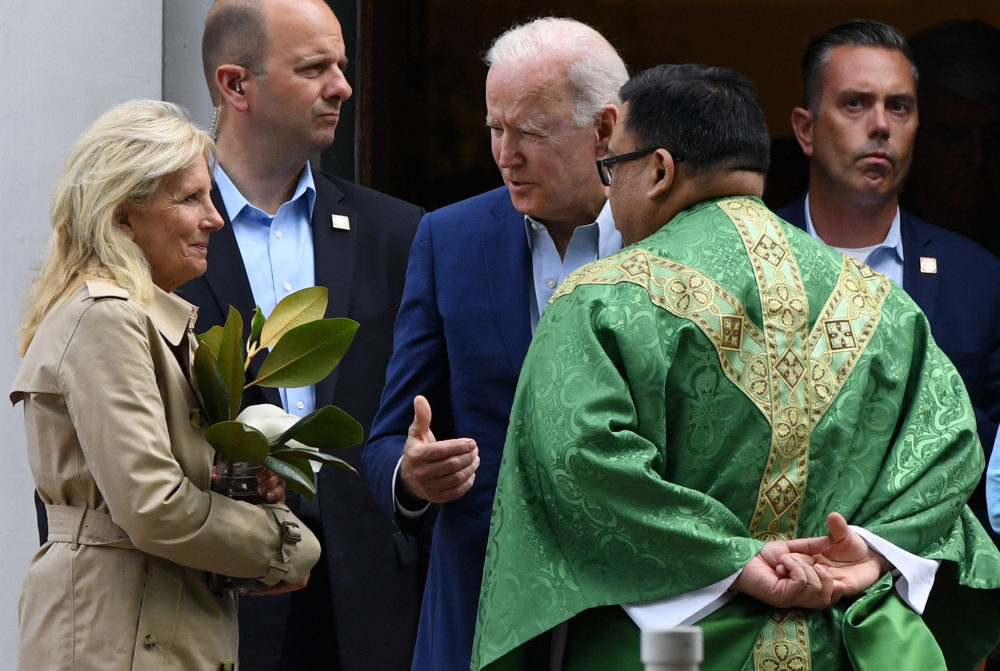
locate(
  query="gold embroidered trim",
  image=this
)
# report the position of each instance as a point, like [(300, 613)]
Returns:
[(785, 310), (688, 293), (843, 330), (790, 373), (783, 644), (784, 639)]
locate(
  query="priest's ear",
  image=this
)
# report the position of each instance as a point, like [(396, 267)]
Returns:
[(665, 167)]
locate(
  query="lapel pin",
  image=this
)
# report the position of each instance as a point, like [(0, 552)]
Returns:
[(340, 222), (928, 265)]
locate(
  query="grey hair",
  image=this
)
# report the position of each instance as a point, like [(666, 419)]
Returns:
[(855, 33), (596, 70)]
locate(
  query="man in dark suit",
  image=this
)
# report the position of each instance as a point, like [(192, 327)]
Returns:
[(479, 275), (857, 127), (275, 68)]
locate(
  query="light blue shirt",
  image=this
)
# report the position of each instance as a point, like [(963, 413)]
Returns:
[(885, 257), (277, 252), (993, 485), (588, 243)]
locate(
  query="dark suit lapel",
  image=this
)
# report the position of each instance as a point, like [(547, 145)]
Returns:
[(227, 280), (918, 242), (333, 253), (795, 213), (508, 274), (226, 276)]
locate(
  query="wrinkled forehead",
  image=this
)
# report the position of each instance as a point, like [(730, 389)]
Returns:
[(865, 68), (542, 91)]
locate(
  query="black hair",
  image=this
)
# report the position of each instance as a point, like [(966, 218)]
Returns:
[(708, 117)]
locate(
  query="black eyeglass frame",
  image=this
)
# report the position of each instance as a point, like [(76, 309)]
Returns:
[(604, 164)]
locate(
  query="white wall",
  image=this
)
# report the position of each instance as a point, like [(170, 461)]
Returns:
[(62, 63), (183, 81)]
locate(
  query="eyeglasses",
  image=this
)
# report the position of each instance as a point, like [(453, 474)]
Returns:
[(604, 164)]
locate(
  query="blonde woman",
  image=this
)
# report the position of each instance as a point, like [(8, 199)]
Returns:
[(125, 580)]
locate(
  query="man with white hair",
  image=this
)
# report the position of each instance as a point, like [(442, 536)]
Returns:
[(479, 276)]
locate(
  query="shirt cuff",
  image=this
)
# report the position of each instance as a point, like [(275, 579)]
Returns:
[(408, 513), (916, 574), (683, 609)]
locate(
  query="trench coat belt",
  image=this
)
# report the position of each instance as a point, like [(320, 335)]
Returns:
[(84, 526)]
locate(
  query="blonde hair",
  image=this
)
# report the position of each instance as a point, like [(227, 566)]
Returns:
[(121, 158)]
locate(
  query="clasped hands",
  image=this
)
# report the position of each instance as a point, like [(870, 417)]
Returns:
[(812, 572), (433, 470)]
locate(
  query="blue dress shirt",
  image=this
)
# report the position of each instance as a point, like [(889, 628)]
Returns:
[(277, 252), (885, 257), (588, 243)]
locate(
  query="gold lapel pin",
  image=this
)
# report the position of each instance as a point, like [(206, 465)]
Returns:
[(928, 265)]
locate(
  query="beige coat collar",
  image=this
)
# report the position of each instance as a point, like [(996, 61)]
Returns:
[(171, 314)]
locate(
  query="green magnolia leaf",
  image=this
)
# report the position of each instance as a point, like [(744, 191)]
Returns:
[(236, 441), (297, 473), (301, 307), (307, 353), (210, 384), (256, 324), (313, 455), (230, 358), (213, 338), (327, 428)]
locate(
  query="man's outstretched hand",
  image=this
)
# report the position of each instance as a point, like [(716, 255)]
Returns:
[(433, 470)]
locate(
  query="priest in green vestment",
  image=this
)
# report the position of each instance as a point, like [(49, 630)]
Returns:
[(731, 425)]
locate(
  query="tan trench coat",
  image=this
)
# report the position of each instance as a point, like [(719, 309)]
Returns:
[(108, 415)]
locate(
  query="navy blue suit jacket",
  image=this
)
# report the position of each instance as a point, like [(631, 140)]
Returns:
[(461, 336), (962, 304), (374, 585)]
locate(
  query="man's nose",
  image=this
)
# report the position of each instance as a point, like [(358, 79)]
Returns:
[(879, 122), (509, 153), (338, 87)]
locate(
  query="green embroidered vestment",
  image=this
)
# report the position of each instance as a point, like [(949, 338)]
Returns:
[(725, 382)]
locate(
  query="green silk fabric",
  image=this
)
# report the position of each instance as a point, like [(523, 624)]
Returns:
[(639, 438)]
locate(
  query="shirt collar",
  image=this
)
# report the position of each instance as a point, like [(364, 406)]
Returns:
[(235, 202), (893, 239), (609, 240)]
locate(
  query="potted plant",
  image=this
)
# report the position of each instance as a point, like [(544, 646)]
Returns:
[(301, 348)]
